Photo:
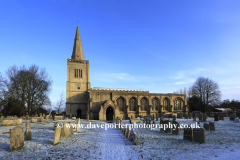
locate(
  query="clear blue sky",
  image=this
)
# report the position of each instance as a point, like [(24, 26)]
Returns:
[(155, 45)]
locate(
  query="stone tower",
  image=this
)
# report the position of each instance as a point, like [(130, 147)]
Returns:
[(78, 81)]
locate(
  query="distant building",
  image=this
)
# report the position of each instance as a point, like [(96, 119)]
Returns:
[(109, 103)]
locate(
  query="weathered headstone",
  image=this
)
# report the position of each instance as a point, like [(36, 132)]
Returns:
[(212, 126), (78, 125), (67, 118), (42, 119), (120, 124), (200, 117), (71, 130), (70, 116), (128, 133), (1, 118), (16, 138), (168, 128), (175, 129), (57, 133), (190, 115), (188, 134), (125, 133), (204, 117), (194, 118), (47, 119), (199, 135), (174, 118), (216, 118), (132, 136), (221, 116), (206, 126), (232, 116), (64, 131), (43, 114), (179, 115), (28, 134), (27, 117)]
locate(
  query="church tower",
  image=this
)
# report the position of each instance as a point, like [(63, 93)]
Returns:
[(78, 81)]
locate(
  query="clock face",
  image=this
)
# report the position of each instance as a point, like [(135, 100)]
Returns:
[(78, 85)]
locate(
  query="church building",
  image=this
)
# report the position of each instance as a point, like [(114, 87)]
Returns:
[(108, 103)]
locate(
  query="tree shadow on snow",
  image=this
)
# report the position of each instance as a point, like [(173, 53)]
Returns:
[(5, 146)]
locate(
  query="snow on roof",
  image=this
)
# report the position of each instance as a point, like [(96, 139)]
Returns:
[(116, 89)]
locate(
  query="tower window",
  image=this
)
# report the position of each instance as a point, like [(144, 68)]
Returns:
[(78, 73)]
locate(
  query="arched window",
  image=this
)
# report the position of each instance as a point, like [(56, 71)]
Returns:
[(121, 103), (155, 104), (144, 104), (178, 104), (166, 104), (132, 104)]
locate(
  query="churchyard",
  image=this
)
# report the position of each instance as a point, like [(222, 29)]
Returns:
[(116, 143)]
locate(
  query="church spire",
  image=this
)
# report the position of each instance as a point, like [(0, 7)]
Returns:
[(77, 53)]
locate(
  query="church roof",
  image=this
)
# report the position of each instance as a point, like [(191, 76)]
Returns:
[(116, 89)]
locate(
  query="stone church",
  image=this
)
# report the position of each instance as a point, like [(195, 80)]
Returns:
[(108, 103)]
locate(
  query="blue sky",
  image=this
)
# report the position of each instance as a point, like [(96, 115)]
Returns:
[(155, 45)]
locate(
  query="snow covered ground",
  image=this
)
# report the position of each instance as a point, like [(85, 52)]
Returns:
[(98, 143)]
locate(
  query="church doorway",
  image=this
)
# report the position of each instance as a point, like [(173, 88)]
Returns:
[(109, 114), (79, 113)]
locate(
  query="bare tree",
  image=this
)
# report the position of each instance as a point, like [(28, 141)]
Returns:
[(207, 90), (60, 103), (29, 85)]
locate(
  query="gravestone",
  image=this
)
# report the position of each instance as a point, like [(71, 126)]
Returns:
[(156, 117), (168, 129), (67, 118), (175, 130), (212, 126), (78, 125), (43, 114), (16, 138), (57, 133), (206, 126), (185, 115), (174, 118), (1, 118), (211, 114), (236, 120), (194, 118), (128, 133), (188, 134), (71, 130), (221, 116), (117, 122), (40, 114), (50, 115), (190, 115), (232, 116), (153, 117), (204, 117), (46, 119), (64, 131), (216, 118), (199, 135), (70, 116), (125, 132), (120, 124), (132, 136), (28, 134), (179, 115), (200, 116), (42, 119), (27, 117)]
